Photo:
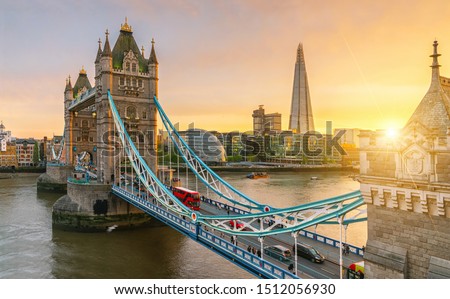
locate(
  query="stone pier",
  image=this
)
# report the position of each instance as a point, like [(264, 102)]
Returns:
[(90, 207), (55, 178)]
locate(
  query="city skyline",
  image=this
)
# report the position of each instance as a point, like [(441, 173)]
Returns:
[(368, 66)]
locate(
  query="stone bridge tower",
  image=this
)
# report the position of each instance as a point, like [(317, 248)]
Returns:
[(132, 79), (81, 127), (405, 182)]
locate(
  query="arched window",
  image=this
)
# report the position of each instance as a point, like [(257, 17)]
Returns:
[(127, 66), (131, 112)]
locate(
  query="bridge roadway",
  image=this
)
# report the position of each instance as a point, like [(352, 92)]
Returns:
[(329, 269), (306, 268)]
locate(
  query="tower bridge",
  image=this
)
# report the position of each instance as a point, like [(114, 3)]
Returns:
[(115, 122)]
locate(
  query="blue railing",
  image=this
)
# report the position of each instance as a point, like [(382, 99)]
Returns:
[(56, 164), (83, 181), (228, 250), (250, 260)]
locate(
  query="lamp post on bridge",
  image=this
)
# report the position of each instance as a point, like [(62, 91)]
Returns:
[(340, 218), (295, 235), (261, 240)]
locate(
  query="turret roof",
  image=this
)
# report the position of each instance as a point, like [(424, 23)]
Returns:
[(68, 85), (152, 59), (433, 111), (126, 42), (82, 81), (99, 51), (107, 49)]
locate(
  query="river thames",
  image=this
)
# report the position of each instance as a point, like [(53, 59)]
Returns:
[(30, 248)]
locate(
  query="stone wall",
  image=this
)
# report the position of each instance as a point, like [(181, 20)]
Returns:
[(381, 164), (59, 173), (54, 179), (443, 168), (415, 238), (88, 195), (92, 207)]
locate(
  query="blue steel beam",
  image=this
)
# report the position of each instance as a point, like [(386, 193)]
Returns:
[(252, 204), (293, 219)]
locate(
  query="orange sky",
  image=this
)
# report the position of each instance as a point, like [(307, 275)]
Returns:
[(367, 61)]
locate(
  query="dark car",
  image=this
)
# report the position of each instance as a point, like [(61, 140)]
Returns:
[(309, 252), (279, 252)]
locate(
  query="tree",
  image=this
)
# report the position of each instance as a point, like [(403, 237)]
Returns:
[(36, 154)]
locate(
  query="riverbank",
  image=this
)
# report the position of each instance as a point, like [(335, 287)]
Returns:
[(284, 168), (23, 170)]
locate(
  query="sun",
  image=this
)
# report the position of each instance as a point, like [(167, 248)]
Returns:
[(391, 133)]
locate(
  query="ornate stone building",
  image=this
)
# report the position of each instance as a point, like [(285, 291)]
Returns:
[(133, 81), (405, 182)]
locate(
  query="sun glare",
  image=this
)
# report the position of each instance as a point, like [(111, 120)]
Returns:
[(391, 133)]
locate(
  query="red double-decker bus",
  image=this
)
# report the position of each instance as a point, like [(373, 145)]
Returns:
[(188, 197)]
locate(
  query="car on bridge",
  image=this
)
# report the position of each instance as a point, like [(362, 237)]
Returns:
[(279, 252), (239, 224), (308, 252)]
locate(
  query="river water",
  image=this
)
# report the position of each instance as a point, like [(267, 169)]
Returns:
[(30, 248)]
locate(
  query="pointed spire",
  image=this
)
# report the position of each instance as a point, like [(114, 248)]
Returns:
[(99, 51), (152, 59), (301, 118), (433, 112), (142, 51), (435, 78), (300, 56), (68, 84), (107, 49)]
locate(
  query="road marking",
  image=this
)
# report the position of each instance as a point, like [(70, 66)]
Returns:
[(325, 270)]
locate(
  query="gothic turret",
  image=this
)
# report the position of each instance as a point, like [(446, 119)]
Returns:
[(82, 84), (68, 90), (433, 112), (105, 67), (126, 50), (152, 59), (99, 52), (107, 49), (98, 66), (68, 95), (153, 69)]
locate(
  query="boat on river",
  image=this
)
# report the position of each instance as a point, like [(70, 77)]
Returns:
[(257, 175)]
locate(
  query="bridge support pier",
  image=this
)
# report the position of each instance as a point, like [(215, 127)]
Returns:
[(55, 178), (92, 207)]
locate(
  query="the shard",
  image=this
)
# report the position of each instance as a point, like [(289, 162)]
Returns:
[(301, 118)]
